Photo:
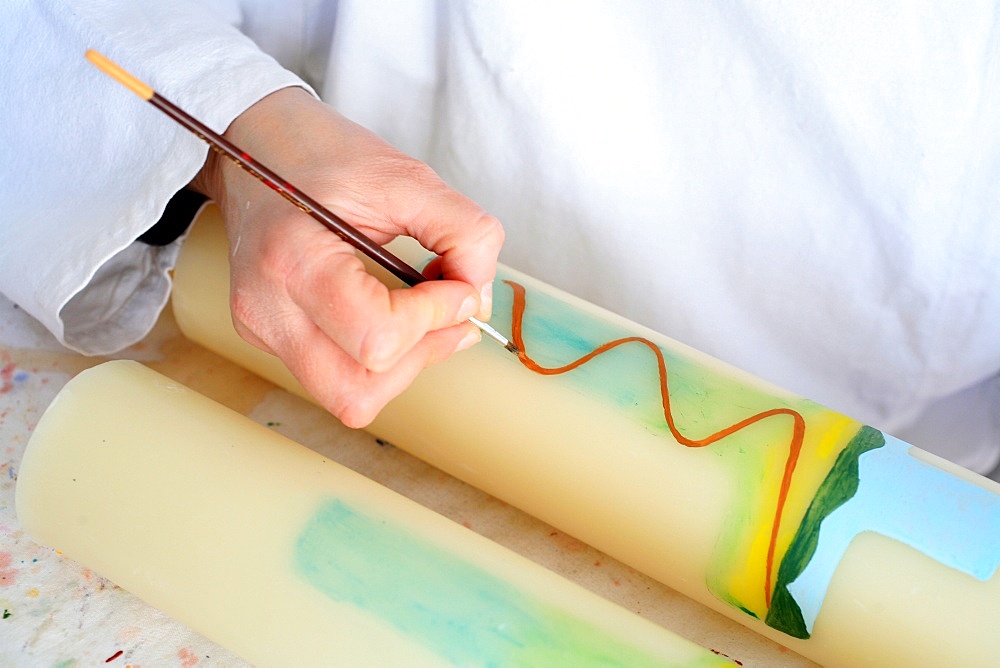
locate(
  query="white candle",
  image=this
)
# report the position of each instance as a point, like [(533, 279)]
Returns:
[(832, 538), (287, 558)]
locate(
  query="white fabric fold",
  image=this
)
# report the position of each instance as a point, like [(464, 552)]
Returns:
[(91, 166)]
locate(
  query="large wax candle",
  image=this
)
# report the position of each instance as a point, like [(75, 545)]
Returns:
[(827, 535), (287, 558)]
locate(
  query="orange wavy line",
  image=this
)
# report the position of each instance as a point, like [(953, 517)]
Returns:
[(798, 422)]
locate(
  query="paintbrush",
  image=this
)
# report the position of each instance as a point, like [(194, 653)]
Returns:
[(337, 225)]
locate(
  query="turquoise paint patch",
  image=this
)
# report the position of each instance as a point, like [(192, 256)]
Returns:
[(557, 333), (461, 612)]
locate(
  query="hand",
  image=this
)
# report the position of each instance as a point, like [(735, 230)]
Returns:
[(300, 292)]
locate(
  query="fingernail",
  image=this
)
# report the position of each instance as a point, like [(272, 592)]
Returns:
[(468, 309), (471, 339), (486, 301)]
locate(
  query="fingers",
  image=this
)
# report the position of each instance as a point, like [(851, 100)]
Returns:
[(300, 292), (376, 326), (386, 193), (469, 253), (466, 239), (354, 344), (350, 392), (373, 186)]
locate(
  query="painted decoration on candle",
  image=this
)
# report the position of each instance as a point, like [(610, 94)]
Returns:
[(810, 478), (946, 518), (462, 612)]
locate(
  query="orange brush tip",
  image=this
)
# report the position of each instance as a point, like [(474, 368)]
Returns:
[(113, 70)]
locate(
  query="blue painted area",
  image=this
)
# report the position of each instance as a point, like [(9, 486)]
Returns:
[(899, 496)]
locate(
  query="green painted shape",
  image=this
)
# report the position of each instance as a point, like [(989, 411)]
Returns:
[(840, 485), (455, 608)]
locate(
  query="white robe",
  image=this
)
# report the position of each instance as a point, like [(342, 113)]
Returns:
[(807, 192)]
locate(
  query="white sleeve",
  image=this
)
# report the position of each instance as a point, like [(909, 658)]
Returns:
[(89, 167)]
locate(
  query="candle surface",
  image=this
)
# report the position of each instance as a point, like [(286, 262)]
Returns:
[(826, 535), (286, 557)]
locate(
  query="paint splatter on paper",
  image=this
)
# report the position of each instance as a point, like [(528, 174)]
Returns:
[(8, 574)]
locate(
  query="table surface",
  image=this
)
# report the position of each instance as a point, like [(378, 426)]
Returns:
[(55, 612)]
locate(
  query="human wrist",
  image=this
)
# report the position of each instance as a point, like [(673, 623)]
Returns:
[(263, 120), (208, 179)]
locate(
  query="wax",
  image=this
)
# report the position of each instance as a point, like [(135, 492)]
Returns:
[(826, 535), (287, 558)]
